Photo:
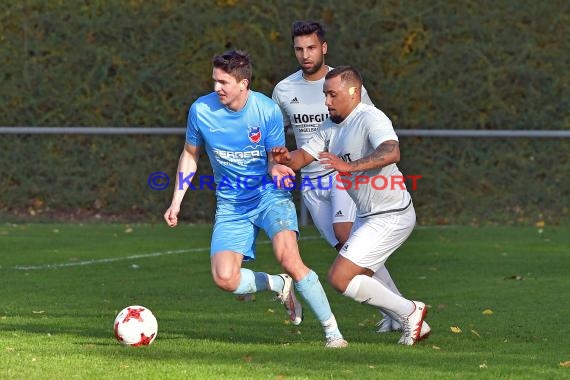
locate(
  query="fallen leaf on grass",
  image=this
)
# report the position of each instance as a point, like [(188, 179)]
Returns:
[(487, 312), (484, 365), (247, 358), (475, 333), (435, 347), (565, 364), (246, 297), (38, 311), (455, 329), (367, 322), (516, 277)]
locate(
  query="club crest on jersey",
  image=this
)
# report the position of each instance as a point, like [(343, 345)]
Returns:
[(254, 134)]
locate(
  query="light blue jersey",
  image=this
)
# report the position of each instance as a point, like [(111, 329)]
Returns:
[(237, 143)]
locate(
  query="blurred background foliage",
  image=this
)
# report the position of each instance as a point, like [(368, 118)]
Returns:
[(426, 64)]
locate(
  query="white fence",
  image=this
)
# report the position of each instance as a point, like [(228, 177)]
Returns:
[(465, 133)]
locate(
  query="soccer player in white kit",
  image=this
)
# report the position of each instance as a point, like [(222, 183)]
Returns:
[(300, 97), (359, 142)]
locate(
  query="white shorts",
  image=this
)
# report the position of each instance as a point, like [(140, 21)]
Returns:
[(328, 206), (375, 238)]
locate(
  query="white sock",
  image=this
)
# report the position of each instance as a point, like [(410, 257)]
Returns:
[(368, 290), (384, 277), (331, 328)]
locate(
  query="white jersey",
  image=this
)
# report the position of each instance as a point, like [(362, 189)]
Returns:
[(302, 103), (358, 136)]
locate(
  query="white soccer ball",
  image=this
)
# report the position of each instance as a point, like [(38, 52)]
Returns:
[(135, 326)]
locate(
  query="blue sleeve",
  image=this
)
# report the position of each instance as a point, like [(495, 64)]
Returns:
[(193, 136)]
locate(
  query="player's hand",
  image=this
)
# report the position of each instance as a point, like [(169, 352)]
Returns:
[(171, 215), (283, 176), (330, 161), (281, 155)]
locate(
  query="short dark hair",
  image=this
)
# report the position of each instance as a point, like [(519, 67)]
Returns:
[(308, 27), (237, 63), (347, 74)]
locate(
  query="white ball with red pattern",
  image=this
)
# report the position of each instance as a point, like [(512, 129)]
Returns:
[(135, 326)]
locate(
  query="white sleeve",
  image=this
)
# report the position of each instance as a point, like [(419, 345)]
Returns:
[(380, 129), (275, 97)]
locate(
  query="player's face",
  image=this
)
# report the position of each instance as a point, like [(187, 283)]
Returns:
[(230, 92), (310, 52), (337, 99)]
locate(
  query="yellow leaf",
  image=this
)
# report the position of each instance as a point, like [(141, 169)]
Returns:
[(435, 347), (540, 224), (565, 364), (487, 312), (475, 333), (455, 329)]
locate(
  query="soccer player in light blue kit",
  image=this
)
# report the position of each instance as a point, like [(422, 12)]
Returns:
[(238, 127)]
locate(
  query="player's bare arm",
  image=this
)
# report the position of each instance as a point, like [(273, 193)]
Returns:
[(295, 159), (187, 164), (385, 154)]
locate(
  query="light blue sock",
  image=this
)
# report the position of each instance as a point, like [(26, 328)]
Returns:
[(276, 283), (312, 291), (251, 282)]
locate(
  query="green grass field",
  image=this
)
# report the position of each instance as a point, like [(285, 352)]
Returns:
[(504, 288)]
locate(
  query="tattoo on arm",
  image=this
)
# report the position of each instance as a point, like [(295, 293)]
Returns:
[(378, 155)]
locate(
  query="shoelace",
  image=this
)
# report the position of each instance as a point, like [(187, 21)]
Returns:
[(406, 327)]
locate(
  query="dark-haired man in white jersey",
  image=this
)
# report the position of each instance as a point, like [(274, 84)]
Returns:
[(359, 142), (300, 97)]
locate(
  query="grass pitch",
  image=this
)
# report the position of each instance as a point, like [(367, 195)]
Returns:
[(497, 298)]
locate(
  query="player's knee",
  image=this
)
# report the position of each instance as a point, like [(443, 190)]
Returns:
[(226, 281)]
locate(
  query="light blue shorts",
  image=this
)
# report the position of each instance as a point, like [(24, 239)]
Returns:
[(236, 228)]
